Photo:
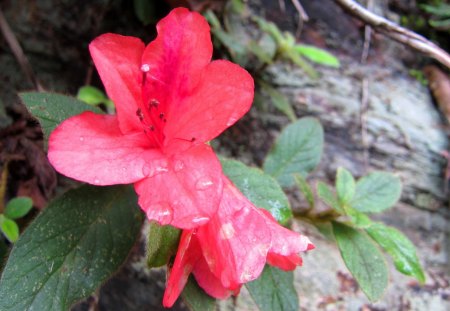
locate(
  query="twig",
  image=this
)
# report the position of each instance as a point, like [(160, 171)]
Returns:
[(367, 36), (18, 52), (364, 106), (396, 32), (300, 10), (282, 6)]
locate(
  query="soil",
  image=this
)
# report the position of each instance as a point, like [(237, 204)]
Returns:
[(398, 129)]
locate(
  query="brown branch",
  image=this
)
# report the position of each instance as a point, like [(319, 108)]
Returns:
[(18, 53), (396, 32)]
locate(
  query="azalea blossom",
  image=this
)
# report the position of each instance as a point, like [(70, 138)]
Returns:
[(233, 248), (170, 100)]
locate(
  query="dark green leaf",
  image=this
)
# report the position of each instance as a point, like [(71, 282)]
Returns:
[(317, 55), (328, 197), (400, 248), (145, 11), (345, 185), (363, 259), (305, 189), (376, 192), (298, 149), (51, 109), (70, 249), (274, 290), (9, 228), (196, 299), (261, 189), (162, 243), (18, 207)]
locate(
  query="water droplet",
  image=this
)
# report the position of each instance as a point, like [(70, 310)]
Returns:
[(227, 231), (161, 212), (96, 181), (179, 165), (145, 67), (231, 121), (200, 220), (81, 138), (246, 276), (155, 167), (203, 183)]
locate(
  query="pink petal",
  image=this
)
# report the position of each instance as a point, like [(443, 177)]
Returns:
[(189, 253), (118, 61), (183, 190), (91, 148), (224, 95), (236, 241)]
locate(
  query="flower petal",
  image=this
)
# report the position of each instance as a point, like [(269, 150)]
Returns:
[(236, 241), (183, 190), (118, 61), (189, 253), (224, 95), (91, 148), (174, 61)]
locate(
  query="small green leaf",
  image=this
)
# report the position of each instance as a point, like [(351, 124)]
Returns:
[(317, 55), (305, 189), (279, 100), (162, 243), (274, 290), (260, 188), (345, 185), (328, 197), (196, 299), (51, 109), (70, 249), (376, 192), (18, 207), (91, 95), (357, 218), (363, 259), (400, 248), (9, 228), (298, 149)]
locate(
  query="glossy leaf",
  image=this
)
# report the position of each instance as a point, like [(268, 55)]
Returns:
[(70, 249), (305, 189), (9, 228), (91, 95), (328, 197), (345, 185), (260, 188), (298, 149), (51, 109), (376, 192), (18, 207), (274, 290), (162, 243), (363, 259), (400, 248), (196, 299), (316, 55)]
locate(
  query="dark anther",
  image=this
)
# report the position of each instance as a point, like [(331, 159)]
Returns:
[(140, 114), (154, 103), (161, 115), (152, 128), (192, 139)]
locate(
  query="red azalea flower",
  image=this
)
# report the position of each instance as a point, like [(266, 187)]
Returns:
[(233, 248), (170, 99)]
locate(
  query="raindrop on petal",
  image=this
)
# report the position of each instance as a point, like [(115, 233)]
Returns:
[(81, 138), (161, 212), (96, 181), (227, 231), (145, 67), (155, 167), (179, 165), (231, 121), (204, 183), (200, 220)]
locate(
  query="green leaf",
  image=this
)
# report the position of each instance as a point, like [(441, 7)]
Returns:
[(279, 100), (305, 189), (91, 95), (328, 197), (400, 248), (317, 55), (18, 207), (345, 185), (298, 149), (261, 189), (196, 299), (70, 249), (376, 192), (363, 259), (357, 218), (9, 228), (145, 11), (274, 290), (51, 109), (162, 243)]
